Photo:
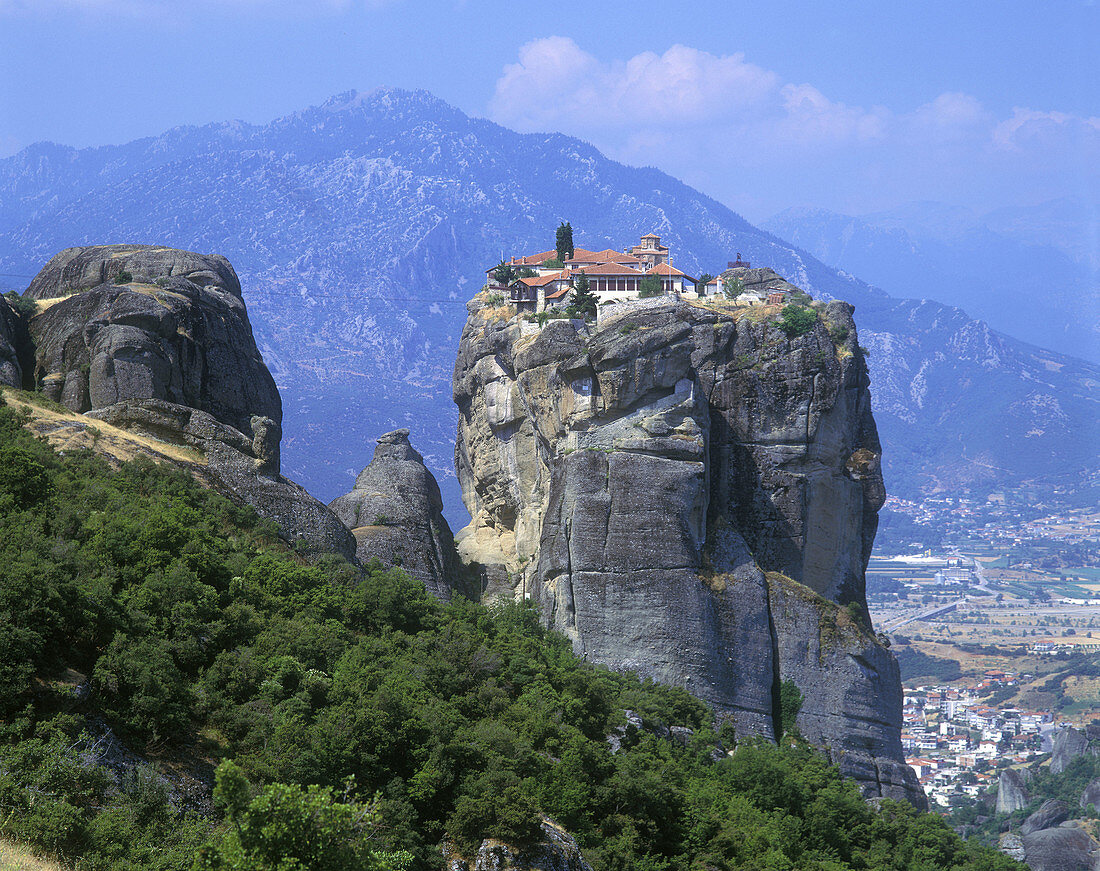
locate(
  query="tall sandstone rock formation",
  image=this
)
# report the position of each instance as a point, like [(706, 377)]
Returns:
[(156, 342), (395, 512), (688, 494)]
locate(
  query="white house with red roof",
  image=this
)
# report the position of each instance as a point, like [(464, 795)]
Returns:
[(613, 276)]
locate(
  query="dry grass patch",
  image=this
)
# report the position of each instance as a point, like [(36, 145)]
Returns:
[(13, 857), (67, 430), (50, 302)]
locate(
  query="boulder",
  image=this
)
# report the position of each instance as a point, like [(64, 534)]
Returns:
[(556, 850), (173, 334), (157, 342), (1011, 795), (691, 495), (1068, 745), (75, 270), (1060, 849), (395, 512), (1050, 813)]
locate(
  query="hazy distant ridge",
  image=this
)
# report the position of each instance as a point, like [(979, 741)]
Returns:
[(360, 227)]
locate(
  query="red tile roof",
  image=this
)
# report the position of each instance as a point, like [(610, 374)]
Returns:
[(665, 269), (559, 293), (613, 256), (533, 259), (539, 280), (611, 269)]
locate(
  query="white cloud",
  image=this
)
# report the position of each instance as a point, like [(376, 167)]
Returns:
[(1029, 128), (556, 82), (811, 118), (742, 133)]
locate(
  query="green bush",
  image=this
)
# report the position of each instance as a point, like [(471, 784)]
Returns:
[(790, 703), (23, 305), (23, 477), (291, 827), (796, 321), (133, 600), (123, 277)]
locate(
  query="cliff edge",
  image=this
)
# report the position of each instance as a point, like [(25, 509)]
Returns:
[(690, 493)]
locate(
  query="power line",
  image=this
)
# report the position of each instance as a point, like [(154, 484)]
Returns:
[(347, 296)]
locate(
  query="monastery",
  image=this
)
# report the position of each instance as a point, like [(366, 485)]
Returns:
[(613, 276)]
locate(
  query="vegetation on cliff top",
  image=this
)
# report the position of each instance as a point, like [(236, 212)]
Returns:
[(139, 612)]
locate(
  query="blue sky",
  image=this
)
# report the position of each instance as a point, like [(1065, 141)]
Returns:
[(858, 107)]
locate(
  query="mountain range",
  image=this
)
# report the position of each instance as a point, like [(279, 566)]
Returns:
[(360, 228), (1027, 272)]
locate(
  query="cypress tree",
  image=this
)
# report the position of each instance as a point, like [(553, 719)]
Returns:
[(563, 241), (583, 300)]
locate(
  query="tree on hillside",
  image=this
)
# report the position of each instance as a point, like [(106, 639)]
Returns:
[(583, 300), (286, 826), (564, 241)]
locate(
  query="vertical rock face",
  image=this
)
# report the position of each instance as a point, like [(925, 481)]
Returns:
[(157, 342), (1011, 795), (11, 338), (1068, 745), (689, 494), (395, 512)]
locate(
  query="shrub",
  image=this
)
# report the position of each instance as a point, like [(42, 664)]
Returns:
[(23, 305), (650, 287), (123, 277), (23, 477), (732, 287), (838, 333), (288, 827), (790, 703), (796, 321)]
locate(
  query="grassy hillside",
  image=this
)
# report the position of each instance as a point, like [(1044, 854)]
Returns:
[(150, 631)]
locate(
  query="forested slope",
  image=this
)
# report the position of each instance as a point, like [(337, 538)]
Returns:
[(149, 630)]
